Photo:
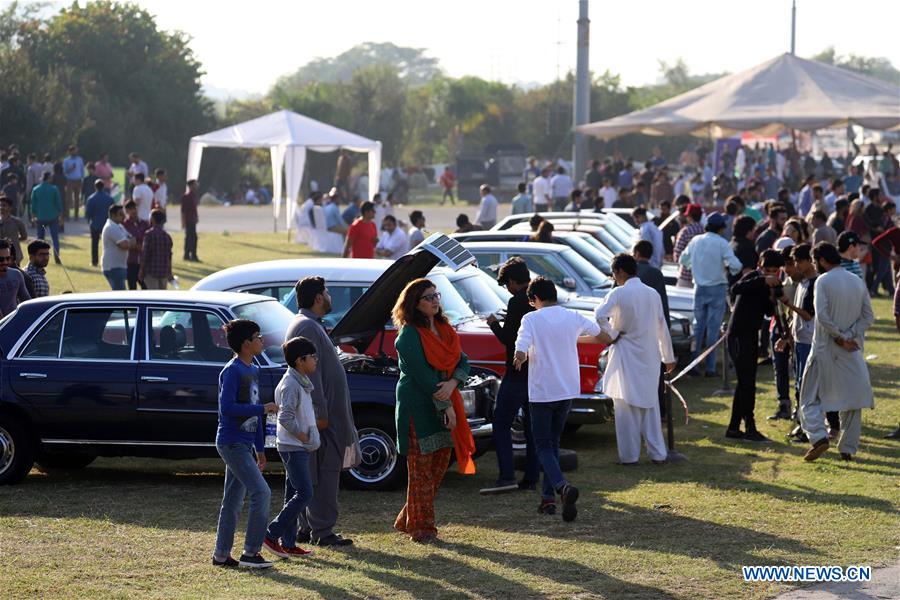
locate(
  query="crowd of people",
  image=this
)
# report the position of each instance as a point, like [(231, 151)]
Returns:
[(127, 226)]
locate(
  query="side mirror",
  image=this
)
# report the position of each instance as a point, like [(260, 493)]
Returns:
[(569, 283)]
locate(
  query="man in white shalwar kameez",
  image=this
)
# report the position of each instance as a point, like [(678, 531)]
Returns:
[(632, 320), (836, 377)]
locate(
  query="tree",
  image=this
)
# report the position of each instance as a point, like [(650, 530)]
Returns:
[(878, 67), (411, 65), (139, 86)]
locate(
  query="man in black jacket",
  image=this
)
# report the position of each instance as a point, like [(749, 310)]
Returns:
[(653, 277), (753, 297), (513, 393)]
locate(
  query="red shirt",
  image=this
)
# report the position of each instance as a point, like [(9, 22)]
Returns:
[(363, 236), (447, 180)]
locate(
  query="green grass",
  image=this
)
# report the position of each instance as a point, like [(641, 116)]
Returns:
[(129, 527), (216, 250)]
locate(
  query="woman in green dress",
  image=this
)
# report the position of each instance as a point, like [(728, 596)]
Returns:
[(430, 419)]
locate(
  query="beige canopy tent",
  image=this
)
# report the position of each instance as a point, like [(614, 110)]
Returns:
[(786, 92)]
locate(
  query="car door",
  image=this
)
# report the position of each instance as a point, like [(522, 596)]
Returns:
[(78, 372), (178, 374)]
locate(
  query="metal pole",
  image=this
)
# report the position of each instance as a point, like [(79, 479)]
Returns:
[(793, 28), (582, 101), (673, 455)]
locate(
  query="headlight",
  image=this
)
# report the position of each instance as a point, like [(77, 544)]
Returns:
[(679, 325), (468, 398)]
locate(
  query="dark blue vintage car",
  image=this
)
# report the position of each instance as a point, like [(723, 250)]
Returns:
[(136, 374)]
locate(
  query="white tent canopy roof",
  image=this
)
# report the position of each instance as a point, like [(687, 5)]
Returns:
[(785, 92), (287, 135)]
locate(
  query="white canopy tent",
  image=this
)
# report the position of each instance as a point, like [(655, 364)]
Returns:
[(287, 135), (786, 92)]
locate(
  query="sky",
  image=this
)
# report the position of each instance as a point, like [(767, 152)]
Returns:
[(246, 46)]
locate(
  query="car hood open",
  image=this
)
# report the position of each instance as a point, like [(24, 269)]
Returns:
[(369, 314)]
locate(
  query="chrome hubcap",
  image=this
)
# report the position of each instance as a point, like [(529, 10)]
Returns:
[(379, 455), (7, 450)]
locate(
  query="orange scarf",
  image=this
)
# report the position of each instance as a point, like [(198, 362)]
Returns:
[(443, 354)]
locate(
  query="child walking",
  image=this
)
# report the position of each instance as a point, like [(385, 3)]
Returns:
[(296, 436), (239, 441)]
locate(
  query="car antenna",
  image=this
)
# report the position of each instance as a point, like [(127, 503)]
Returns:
[(66, 271)]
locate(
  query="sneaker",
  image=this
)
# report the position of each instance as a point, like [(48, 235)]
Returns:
[(229, 563), (334, 540), (255, 561), (274, 547), (755, 436), (735, 434), (297, 551), (817, 450), (502, 486), (547, 507), (527, 486), (569, 495)]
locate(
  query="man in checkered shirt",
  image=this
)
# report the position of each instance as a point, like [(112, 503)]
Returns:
[(38, 259)]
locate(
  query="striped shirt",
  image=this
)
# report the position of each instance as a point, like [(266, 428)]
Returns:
[(684, 237), (852, 266)]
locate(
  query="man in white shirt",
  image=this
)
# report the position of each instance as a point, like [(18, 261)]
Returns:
[(632, 320), (161, 193), (487, 210), (143, 197), (137, 166), (608, 193), (540, 188), (417, 228), (116, 244), (547, 339), (560, 189), (393, 242), (647, 230)]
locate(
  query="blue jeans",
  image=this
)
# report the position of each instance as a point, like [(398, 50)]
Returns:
[(298, 491), (53, 226), (781, 366), (547, 422), (512, 396), (242, 477), (116, 278), (709, 310)]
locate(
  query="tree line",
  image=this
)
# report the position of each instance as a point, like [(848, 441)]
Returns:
[(105, 77)]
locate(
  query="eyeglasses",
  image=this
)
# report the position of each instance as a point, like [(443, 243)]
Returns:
[(431, 297)]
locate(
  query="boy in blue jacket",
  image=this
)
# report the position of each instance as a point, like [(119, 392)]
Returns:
[(239, 441)]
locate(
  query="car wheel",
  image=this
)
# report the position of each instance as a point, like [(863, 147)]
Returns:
[(51, 461), (568, 460), (16, 450), (382, 468)]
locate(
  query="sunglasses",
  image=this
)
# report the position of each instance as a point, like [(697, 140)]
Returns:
[(431, 297)]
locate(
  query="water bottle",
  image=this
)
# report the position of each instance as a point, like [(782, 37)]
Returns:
[(271, 430)]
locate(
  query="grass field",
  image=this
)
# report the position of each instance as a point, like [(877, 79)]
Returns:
[(135, 527)]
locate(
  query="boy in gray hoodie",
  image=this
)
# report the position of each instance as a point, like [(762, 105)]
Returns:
[(296, 437)]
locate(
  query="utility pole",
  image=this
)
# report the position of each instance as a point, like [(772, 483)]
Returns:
[(794, 28), (582, 104)]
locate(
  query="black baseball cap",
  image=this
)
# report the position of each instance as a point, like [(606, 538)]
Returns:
[(847, 239)]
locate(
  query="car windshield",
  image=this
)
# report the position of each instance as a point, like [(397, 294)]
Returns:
[(590, 253), (609, 240), (481, 292), (619, 228), (273, 320), (588, 272), (345, 296)]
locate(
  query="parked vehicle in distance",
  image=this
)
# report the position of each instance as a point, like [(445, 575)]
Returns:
[(565, 267), (136, 374)]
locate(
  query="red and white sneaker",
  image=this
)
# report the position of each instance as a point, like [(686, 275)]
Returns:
[(297, 551), (274, 547)]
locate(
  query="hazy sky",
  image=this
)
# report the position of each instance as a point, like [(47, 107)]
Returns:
[(248, 45)]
